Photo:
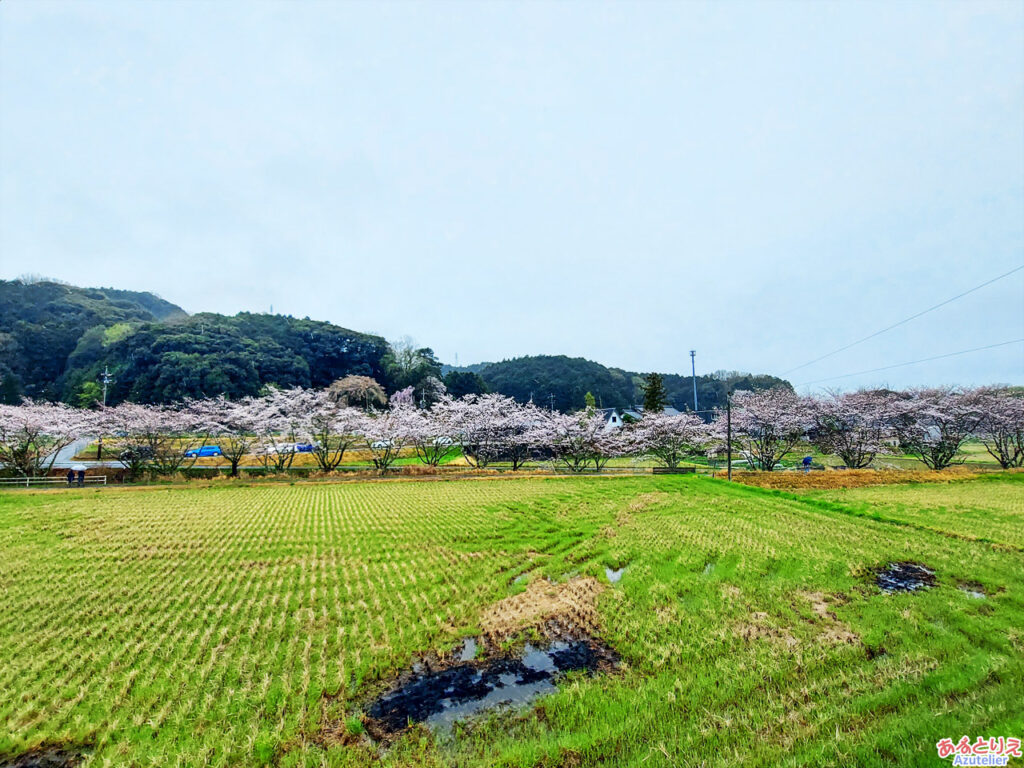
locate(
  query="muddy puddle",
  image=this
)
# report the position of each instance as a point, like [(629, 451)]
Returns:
[(44, 758), (973, 589), (441, 694), (904, 577)]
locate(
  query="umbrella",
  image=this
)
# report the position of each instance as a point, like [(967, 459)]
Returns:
[(79, 467)]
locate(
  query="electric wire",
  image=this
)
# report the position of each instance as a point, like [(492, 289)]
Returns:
[(913, 362), (905, 320)]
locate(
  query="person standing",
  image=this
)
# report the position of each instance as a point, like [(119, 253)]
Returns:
[(81, 477), (71, 477)]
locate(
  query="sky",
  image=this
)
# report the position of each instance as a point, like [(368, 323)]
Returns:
[(761, 182)]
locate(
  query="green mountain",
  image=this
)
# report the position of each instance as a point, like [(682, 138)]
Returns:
[(56, 340), (41, 323), (562, 382)]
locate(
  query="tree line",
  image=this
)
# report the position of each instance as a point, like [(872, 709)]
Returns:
[(931, 424), (57, 342)]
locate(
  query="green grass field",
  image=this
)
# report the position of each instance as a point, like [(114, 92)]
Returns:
[(235, 625)]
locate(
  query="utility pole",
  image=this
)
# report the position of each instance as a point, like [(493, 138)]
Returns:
[(693, 369), (728, 433), (551, 399), (107, 379)]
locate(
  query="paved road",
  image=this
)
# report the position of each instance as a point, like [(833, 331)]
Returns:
[(66, 455)]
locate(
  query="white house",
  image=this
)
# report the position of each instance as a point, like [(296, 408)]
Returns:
[(615, 418)]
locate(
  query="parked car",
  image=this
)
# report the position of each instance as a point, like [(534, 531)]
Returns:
[(289, 448), (206, 451), (136, 453)]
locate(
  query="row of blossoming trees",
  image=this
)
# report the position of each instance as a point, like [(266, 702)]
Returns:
[(931, 424)]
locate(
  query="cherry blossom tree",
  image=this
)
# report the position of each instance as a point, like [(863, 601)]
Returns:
[(130, 423), (934, 423), (856, 426), (766, 425), (152, 438), (578, 440), (431, 432), (490, 428), (330, 427), (279, 415), (668, 438), (234, 423), (386, 433), (1002, 426), (33, 433), (404, 397)]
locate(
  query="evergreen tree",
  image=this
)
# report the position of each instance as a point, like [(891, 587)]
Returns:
[(590, 401), (10, 390), (655, 397)]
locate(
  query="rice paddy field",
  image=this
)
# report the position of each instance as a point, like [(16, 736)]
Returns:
[(229, 624)]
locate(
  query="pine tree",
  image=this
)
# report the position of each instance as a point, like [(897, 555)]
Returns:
[(655, 397), (590, 401)]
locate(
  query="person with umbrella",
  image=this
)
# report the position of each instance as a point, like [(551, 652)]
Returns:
[(80, 469)]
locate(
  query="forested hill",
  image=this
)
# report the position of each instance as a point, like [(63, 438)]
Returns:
[(42, 322), (564, 382), (56, 339)]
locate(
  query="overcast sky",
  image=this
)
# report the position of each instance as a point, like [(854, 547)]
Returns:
[(624, 182)]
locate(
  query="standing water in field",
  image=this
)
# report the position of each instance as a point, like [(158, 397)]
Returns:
[(905, 577), (973, 589), (440, 697), (50, 757)]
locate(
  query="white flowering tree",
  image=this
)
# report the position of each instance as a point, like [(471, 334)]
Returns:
[(234, 424), (33, 433), (387, 433), (668, 438), (152, 438), (578, 440), (1001, 429), (766, 425), (934, 423), (855, 426), (330, 427), (432, 432), (278, 417)]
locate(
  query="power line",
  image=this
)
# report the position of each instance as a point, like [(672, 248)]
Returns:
[(913, 362), (905, 320)]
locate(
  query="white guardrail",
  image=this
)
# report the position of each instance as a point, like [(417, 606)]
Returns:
[(25, 482)]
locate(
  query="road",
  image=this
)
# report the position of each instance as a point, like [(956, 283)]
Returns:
[(66, 456)]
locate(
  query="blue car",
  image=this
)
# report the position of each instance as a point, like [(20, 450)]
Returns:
[(304, 448), (205, 452)]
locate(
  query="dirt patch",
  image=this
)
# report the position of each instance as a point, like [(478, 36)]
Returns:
[(758, 628), (835, 631), (904, 577), (830, 630), (848, 478), (647, 500), (572, 604), (45, 757)]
